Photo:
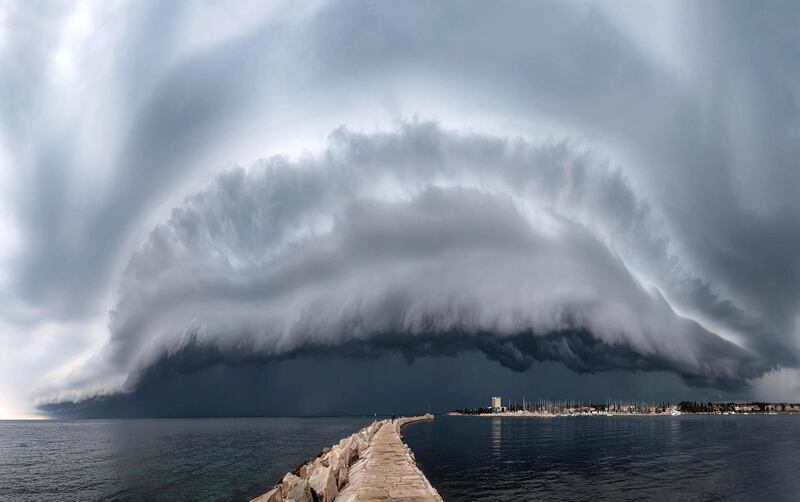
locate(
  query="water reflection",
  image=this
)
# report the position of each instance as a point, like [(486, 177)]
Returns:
[(497, 435), (674, 430)]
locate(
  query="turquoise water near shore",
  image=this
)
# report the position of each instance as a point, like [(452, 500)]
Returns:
[(690, 457), (163, 459)]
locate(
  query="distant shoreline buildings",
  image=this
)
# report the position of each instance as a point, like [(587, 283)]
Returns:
[(543, 407)]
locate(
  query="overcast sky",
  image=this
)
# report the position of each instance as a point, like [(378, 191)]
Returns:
[(234, 208)]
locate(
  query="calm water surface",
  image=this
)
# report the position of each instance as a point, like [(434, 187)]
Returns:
[(700, 457), (171, 459), (466, 458)]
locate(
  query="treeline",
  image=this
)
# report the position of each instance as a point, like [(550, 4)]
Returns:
[(709, 407), (473, 411)]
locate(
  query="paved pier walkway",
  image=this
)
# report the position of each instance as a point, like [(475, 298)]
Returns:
[(388, 470)]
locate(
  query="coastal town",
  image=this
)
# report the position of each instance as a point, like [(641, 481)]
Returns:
[(556, 408)]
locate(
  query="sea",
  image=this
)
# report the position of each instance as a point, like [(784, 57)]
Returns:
[(216, 459), (688, 457), (680, 458)]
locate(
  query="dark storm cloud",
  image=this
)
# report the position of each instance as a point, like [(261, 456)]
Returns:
[(716, 156), (383, 385), (421, 242)]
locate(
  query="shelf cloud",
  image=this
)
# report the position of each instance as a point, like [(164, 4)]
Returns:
[(418, 241)]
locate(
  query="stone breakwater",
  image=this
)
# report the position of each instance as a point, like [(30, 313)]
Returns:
[(371, 465)]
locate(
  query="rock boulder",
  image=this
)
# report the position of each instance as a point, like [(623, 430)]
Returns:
[(324, 483)]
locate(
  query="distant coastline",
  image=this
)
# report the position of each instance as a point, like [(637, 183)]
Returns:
[(550, 409)]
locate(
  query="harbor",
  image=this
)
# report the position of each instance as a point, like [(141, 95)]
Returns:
[(544, 408)]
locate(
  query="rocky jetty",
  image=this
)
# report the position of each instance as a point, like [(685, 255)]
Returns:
[(372, 464)]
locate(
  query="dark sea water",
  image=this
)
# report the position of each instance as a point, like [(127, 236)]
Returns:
[(466, 458), (698, 457), (169, 459)]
